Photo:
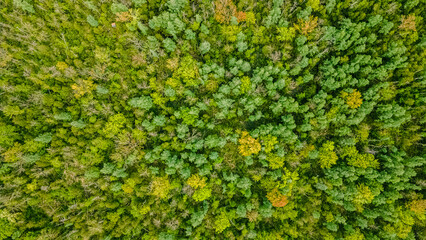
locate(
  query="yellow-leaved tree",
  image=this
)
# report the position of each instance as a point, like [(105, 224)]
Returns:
[(160, 187), (327, 156), (248, 145), (353, 100)]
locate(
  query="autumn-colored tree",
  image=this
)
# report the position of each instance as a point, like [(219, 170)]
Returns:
[(418, 207), (248, 145), (276, 198), (160, 187), (353, 99), (61, 66), (225, 10), (408, 23), (241, 16), (195, 181), (224, 119), (123, 17), (172, 63), (82, 87), (307, 26)]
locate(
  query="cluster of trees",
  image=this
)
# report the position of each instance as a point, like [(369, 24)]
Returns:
[(224, 119)]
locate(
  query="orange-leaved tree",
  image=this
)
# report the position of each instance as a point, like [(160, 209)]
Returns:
[(276, 198), (225, 10)]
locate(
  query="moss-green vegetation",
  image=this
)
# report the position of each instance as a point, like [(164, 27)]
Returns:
[(212, 119)]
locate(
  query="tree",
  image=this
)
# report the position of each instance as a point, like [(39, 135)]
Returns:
[(160, 187), (222, 222), (24, 5), (92, 21), (222, 119), (169, 45), (327, 156), (277, 199), (392, 115), (204, 47), (144, 102), (353, 100), (248, 145)]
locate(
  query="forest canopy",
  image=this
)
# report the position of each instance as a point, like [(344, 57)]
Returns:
[(212, 119)]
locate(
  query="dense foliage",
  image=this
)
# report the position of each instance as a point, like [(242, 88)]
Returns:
[(201, 119)]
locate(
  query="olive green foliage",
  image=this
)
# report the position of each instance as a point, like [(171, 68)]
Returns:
[(92, 21), (212, 119), (327, 156)]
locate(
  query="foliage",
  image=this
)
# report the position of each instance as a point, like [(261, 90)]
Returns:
[(160, 187), (276, 198), (248, 145), (225, 10), (92, 21), (204, 47), (363, 195), (275, 161), (327, 156), (308, 26), (202, 194), (195, 181), (269, 143), (353, 99), (118, 7), (222, 222), (188, 71), (408, 23), (357, 159), (24, 5), (213, 119), (82, 87), (418, 207)]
